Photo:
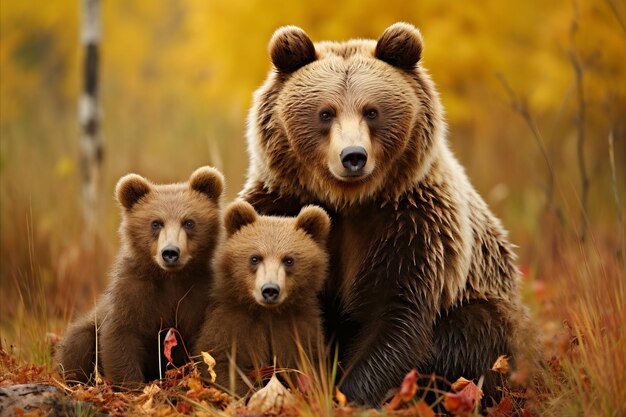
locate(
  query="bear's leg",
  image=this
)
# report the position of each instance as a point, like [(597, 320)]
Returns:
[(467, 341), (76, 354)]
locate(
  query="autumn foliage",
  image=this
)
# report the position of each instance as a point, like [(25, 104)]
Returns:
[(535, 97)]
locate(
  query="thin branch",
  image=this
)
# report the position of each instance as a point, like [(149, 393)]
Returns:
[(620, 213), (520, 107), (580, 125), (616, 14)]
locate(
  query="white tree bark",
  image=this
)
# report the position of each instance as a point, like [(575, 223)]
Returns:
[(91, 146)]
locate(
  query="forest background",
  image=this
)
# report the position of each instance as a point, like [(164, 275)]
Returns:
[(535, 95)]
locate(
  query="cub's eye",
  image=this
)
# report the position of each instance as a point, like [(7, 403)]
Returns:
[(327, 115), (288, 261), (370, 114), (189, 224), (255, 260), (156, 225)]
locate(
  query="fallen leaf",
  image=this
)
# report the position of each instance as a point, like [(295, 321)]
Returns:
[(503, 409), (210, 362), (168, 343), (150, 390), (464, 401), (409, 386), (303, 383), (501, 365), (341, 398), (183, 407), (406, 393), (194, 385), (272, 399), (460, 383)]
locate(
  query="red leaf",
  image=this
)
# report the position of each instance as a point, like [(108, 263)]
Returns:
[(406, 393), (169, 342), (183, 407), (504, 409), (463, 401), (409, 386), (304, 383)]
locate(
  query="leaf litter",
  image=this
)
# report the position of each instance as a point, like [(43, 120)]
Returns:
[(183, 391)]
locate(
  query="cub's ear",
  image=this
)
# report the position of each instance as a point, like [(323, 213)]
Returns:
[(314, 221), (238, 214), (400, 45), (290, 49), (208, 181), (130, 189)]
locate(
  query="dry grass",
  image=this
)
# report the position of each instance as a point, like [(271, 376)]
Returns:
[(576, 290)]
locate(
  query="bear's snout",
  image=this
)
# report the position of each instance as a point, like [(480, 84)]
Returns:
[(170, 255), (353, 158), (270, 293)]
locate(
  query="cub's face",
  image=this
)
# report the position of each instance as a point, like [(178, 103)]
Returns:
[(172, 224), (274, 261), (346, 120)]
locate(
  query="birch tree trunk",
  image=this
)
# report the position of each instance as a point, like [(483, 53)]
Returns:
[(89, 117)]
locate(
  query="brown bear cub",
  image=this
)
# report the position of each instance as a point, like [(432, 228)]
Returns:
[(264, 306), (160, 280)]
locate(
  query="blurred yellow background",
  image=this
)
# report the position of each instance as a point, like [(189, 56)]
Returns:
[(177, 78)]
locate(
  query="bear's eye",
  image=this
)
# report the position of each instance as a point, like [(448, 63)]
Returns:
[(156, 225), (288, 261), (255, 260), (189, 224), (327, 115), (370, 114)]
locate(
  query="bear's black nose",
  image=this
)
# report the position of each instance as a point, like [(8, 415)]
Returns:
[(270, 293), (353, 158), (170, 254)]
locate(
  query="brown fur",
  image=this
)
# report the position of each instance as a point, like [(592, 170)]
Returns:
[(147, 295), (413, 245), (238, 322)]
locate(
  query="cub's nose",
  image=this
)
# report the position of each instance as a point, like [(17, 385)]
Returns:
[(170, 254), (353, 158), (270, 293)]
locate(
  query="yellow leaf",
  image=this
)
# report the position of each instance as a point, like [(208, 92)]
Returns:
[(501, 365), (194, 384), (210, 362), (341, 398)]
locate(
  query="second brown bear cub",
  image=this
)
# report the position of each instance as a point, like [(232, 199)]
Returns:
[(264, 306), (161, 278)]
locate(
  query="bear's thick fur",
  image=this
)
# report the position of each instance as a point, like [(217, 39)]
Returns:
[(161, 279), (264, 309), (422, 274)]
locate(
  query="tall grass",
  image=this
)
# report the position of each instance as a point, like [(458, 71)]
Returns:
[(584, 369)]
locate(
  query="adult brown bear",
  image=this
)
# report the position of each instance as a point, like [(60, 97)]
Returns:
[(422, 274)]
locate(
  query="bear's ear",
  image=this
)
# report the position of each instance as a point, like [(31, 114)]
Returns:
[(238, 214), (130, 189), (290, 49), (400, 45), (315, 222), (208, 181)]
